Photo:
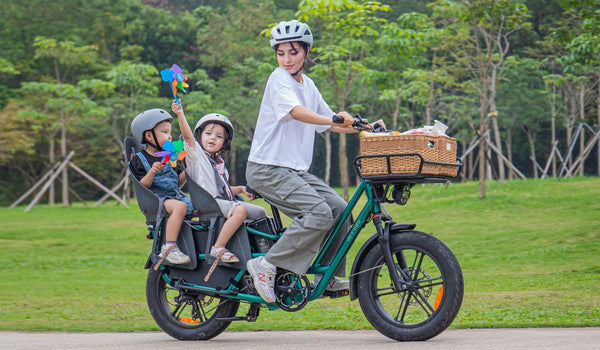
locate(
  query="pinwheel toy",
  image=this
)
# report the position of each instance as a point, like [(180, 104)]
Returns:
[(176, 78), (173, 151)]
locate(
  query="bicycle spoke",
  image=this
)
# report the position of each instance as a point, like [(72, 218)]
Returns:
[(391, 291), (400, 308), (178, 310), (201, 311), (401, 319), (418, 257), (421, 299)]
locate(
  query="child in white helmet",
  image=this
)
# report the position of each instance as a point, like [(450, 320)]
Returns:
[(212, 135), (153, 128)]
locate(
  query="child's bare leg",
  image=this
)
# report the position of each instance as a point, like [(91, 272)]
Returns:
[(231, 225), (176, 210)]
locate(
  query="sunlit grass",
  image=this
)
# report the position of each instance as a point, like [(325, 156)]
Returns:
[(529, 253)]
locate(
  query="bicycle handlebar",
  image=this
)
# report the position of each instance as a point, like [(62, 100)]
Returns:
[(359, 123)]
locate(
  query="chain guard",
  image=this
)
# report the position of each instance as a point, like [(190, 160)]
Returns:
[(292, 292)]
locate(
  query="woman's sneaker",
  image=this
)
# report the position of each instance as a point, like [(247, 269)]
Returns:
[(263, 275), (176, 256)]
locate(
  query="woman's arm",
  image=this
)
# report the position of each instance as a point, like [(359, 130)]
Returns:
[(305, 115), (184, 127)]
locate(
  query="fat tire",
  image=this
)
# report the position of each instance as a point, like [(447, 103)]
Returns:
[(161, 312), (453, 291)]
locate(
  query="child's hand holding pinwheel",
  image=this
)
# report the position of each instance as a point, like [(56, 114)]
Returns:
[(173, 151)]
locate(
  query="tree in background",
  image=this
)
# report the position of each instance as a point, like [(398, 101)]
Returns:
[(345, 30), (584, 56), (59, 100), (479, 32)]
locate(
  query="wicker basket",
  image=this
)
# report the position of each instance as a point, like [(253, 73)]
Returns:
[(432, 148)]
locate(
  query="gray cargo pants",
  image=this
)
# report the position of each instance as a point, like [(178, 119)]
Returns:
[(314, 208)]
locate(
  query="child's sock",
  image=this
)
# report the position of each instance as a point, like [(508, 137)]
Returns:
[(169, 244)]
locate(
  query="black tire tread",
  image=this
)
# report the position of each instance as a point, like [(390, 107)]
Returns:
[(454, 288)]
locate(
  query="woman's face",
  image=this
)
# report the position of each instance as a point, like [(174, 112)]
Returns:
[(290, 56), (213, 138)]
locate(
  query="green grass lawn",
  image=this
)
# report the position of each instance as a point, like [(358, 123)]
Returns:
[(530, 254)]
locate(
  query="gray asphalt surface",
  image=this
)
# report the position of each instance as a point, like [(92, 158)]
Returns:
[(462, 339)]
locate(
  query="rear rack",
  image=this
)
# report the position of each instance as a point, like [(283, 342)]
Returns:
[(413, 178)]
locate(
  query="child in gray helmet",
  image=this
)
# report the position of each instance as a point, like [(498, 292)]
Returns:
[(212, 135), (153, 128)]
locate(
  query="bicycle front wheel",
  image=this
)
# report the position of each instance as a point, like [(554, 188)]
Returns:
[(429, 300)]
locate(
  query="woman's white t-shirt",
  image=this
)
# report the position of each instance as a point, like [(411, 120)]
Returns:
[(280, 139)]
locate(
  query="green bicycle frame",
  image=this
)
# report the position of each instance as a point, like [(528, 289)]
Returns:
[(327, 271)]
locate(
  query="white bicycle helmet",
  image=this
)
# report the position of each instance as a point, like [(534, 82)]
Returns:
[(147, 120), (218, 119), (293, 30)]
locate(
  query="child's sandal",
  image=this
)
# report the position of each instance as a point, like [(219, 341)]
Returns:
[(224, 255), (220, 254)]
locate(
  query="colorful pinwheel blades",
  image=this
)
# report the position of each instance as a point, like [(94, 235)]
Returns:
[(175, 76), (171, 153)]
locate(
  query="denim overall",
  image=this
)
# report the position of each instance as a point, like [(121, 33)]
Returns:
[(166, 184)]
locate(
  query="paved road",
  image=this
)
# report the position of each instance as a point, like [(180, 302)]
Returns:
[(460, 339)]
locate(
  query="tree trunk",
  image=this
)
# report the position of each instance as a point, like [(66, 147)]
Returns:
[(531, 139), (494, 114), (581, 120), (63, 152), (553, 127), (483, 137), (51, 193), (470, 166), (598, 117), (463, 172), (431, 91), (232, 161), (343, 159), (327, 137), (482, 167), (396, 112), (511, 173)]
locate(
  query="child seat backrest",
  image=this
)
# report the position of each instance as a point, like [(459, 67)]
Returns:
[(149, 203)]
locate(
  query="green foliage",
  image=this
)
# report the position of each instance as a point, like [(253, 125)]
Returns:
[(403, 61)]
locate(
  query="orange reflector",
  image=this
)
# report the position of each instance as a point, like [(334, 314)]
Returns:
[(189, 320), (438, 298)]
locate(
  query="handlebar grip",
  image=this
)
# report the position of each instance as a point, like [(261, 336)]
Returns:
[(337, 119), (378, 128)]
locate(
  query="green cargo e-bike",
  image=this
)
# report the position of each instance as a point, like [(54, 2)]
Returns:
[(409, 283)]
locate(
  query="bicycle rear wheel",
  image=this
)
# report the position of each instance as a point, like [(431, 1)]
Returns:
[(427, 303), (187, 315)]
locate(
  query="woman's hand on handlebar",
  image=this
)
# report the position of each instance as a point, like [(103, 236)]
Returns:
[(347, 121), (378, 126)]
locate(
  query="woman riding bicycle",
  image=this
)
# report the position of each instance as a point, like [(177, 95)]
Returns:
[(292, 110)]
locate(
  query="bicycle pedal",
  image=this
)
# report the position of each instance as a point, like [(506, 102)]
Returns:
[(336, 294)]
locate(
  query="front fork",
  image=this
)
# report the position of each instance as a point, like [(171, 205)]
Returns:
[(383, 238)]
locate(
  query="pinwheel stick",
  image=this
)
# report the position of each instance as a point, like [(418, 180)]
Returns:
[(175, 95)]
